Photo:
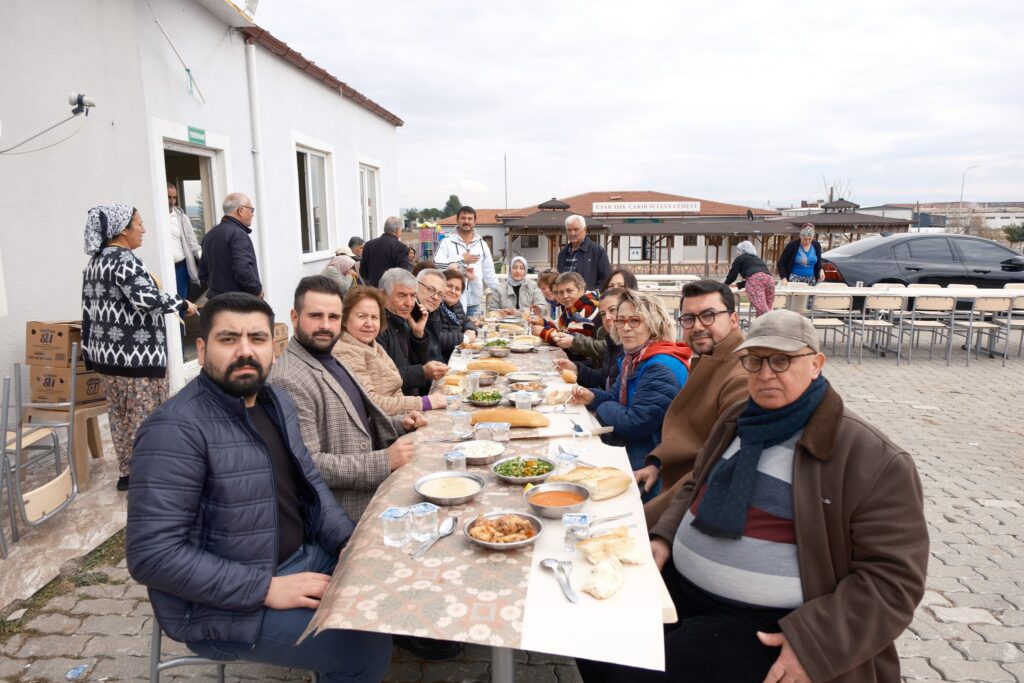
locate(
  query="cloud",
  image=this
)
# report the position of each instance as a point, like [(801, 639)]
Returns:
[(714, 100)]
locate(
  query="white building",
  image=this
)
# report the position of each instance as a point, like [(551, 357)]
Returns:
[(318, 158)]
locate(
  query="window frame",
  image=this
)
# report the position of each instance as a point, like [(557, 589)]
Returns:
[(306, 144)]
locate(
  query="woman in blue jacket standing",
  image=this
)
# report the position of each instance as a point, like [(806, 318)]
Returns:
[(653, 369)]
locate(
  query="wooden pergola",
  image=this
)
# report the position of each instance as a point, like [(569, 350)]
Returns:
[(549, 222), (840, 219)]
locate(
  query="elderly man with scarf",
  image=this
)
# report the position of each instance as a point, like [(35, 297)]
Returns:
[(798, 552)]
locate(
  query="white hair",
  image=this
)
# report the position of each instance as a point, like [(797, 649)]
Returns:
[(422, 275), (576, 218), (396, 276), (233, 201), (393, 225)]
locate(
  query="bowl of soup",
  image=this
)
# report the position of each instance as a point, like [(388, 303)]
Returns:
[(556, 498), (449, 488)]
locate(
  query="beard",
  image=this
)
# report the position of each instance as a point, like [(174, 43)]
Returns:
[(242, 386), (314, 345), (703, 343)]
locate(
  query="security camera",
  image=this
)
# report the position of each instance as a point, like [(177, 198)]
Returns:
[(81, 103)]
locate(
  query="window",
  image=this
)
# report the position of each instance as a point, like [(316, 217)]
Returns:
[(368, 199), (312, 200), (931, 250), (689, 240), (529, 242), (976, 251), (654, 249)]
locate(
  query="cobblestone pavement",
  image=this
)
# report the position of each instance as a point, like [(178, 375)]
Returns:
[(963, 426)]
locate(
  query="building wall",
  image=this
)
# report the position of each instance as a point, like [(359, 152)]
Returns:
[(49, 49)]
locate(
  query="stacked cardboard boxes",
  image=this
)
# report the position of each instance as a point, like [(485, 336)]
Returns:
[(280, 338), (48, 355)]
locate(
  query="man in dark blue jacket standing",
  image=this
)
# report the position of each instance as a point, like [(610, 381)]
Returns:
[(230, 525), (229, 259), (582, 255)]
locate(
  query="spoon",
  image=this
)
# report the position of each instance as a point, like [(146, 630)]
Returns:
[(567, 570), (579, 461), (447, 529), (557, 409), (563, 581)]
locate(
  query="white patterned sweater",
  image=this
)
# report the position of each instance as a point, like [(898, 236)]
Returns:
[(123, 316)]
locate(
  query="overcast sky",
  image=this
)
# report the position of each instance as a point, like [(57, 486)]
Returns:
[(751, 102)]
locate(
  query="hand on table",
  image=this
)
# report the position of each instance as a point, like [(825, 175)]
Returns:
[(661, 552), (400, 453), (437, 400), (565, 364), (536, 330), (787, 668), (414, 420), (469, 335), (296, 590), (646, 477), (434, 369), (582, 395), (562, 340)]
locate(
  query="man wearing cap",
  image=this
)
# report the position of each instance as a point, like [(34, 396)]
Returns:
[(798, 551)]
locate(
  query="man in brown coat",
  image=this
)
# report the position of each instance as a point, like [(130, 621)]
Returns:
[(716, 381), (799, 549), (354, 445)]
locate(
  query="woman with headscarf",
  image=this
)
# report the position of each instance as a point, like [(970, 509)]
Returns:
[(801, 259), (518, 293), (342, 269), (123, 332), (757, 279)]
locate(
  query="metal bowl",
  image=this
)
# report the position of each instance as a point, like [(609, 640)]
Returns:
[(522, 376), (483, 404), (455, 500), (538, 527), (556, 512), (487, 377), (521, 348), (527, 386), (512, 320), (498, 351), (536, 398), (496, 448), (522, 480)]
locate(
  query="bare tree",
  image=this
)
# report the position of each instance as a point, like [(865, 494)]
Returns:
[(837, 188)]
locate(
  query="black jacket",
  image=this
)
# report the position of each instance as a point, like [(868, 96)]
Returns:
[(745, 265), (591, 262), (785, 264), (604, 377), (408, 353), (229, 260), (445, 334), (202, 511), (381, 254)]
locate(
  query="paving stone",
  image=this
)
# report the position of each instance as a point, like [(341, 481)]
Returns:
[(13, 668), (404, 672), (996, 652), (546, 658), (113, 625), (999, 634), (1012, 617), (117, 573), (52, 646), (909, 646), (61, 603), (963, 670), (988, 601), (54, 669), (103, 606), (136, 591), (917, 669), (568, 674), (117, 646), (53, 623), (964, 615), (102, 590), (1016, 669), (119, 668), (13, 644), (446, 672), (997, 587)]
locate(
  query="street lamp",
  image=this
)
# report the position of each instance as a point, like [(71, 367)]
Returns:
[(963, 178)]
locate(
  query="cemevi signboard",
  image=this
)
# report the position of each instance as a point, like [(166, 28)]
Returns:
[(646, 207)]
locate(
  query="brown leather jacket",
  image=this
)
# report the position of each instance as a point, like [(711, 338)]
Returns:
[(716, 382), (862, 542)]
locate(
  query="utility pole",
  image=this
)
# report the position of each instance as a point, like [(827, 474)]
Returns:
[(960, 212), (506, 181)]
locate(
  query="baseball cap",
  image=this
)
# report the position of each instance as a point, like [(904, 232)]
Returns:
[(781, 330)]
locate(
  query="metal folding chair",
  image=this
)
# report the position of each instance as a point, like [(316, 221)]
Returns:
[(876, 316), (837, 310), (976, 324), (934, 314)]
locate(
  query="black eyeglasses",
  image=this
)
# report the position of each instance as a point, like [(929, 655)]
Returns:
[(433, 291), (706, 318), (251, 208), (778, 362)]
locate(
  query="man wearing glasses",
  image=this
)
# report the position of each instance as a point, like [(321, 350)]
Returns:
[(712, 329), (229, 258), (798, 551), (430, 290)]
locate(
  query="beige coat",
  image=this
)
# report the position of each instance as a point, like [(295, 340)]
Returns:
[(377, 374)]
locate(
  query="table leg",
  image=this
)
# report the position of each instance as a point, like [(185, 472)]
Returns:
[(503, 667), (95, 440), (80, 453)]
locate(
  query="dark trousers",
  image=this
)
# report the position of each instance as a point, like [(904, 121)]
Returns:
[(337, 655), (712, 642), (181, 280)]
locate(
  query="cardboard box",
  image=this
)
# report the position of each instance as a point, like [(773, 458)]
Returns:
[(48, 384), (280, 331), (49, 343), (279, 345)]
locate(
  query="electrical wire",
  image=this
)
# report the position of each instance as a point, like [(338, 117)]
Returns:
[(52, 144)]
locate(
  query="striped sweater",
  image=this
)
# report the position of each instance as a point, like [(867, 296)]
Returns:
[(760, 569), (123, 316)]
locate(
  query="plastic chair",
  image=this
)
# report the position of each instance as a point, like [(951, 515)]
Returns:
[(838, 311), (933, 314), (875, 317), (977, 325), (30, 450)]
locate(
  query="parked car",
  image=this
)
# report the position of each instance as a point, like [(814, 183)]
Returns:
[(914, 258)]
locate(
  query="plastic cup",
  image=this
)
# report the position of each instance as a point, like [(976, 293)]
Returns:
[(466, 354), (453, 403), (565, 462), (460, 422), (455, 461), (523, 403), (396, 522), (472, 382), (424, 521), (577, 528)]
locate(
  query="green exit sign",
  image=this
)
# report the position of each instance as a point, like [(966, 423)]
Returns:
[(643, 220), (196, 136)]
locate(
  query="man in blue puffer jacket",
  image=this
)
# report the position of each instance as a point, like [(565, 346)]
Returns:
[(229, 524)]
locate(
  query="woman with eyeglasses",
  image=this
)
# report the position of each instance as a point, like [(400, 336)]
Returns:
[(653, 369)]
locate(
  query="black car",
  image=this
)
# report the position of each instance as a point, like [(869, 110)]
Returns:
[(914, 258)]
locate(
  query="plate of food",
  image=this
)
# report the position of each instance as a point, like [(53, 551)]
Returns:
[(516, 347), (523, 376), (482, 451), (523, 470), (527, 386), (535, 398), (553, 499), (499, 341), (527, 340), (449, 488), (484, 399), (472, 346), (503, 530)]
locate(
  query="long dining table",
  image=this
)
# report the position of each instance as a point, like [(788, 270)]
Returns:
[(506, 600)]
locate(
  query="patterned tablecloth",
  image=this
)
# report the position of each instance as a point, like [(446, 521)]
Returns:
[(462, 592)]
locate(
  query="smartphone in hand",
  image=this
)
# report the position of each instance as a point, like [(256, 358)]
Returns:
[(417, 312)]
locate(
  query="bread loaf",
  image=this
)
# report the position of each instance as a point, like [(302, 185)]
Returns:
[(514, 416), (603, 482), (615, 544), (606, 579), (454, 379), (558, 396), (502, 367), (569, 377)]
